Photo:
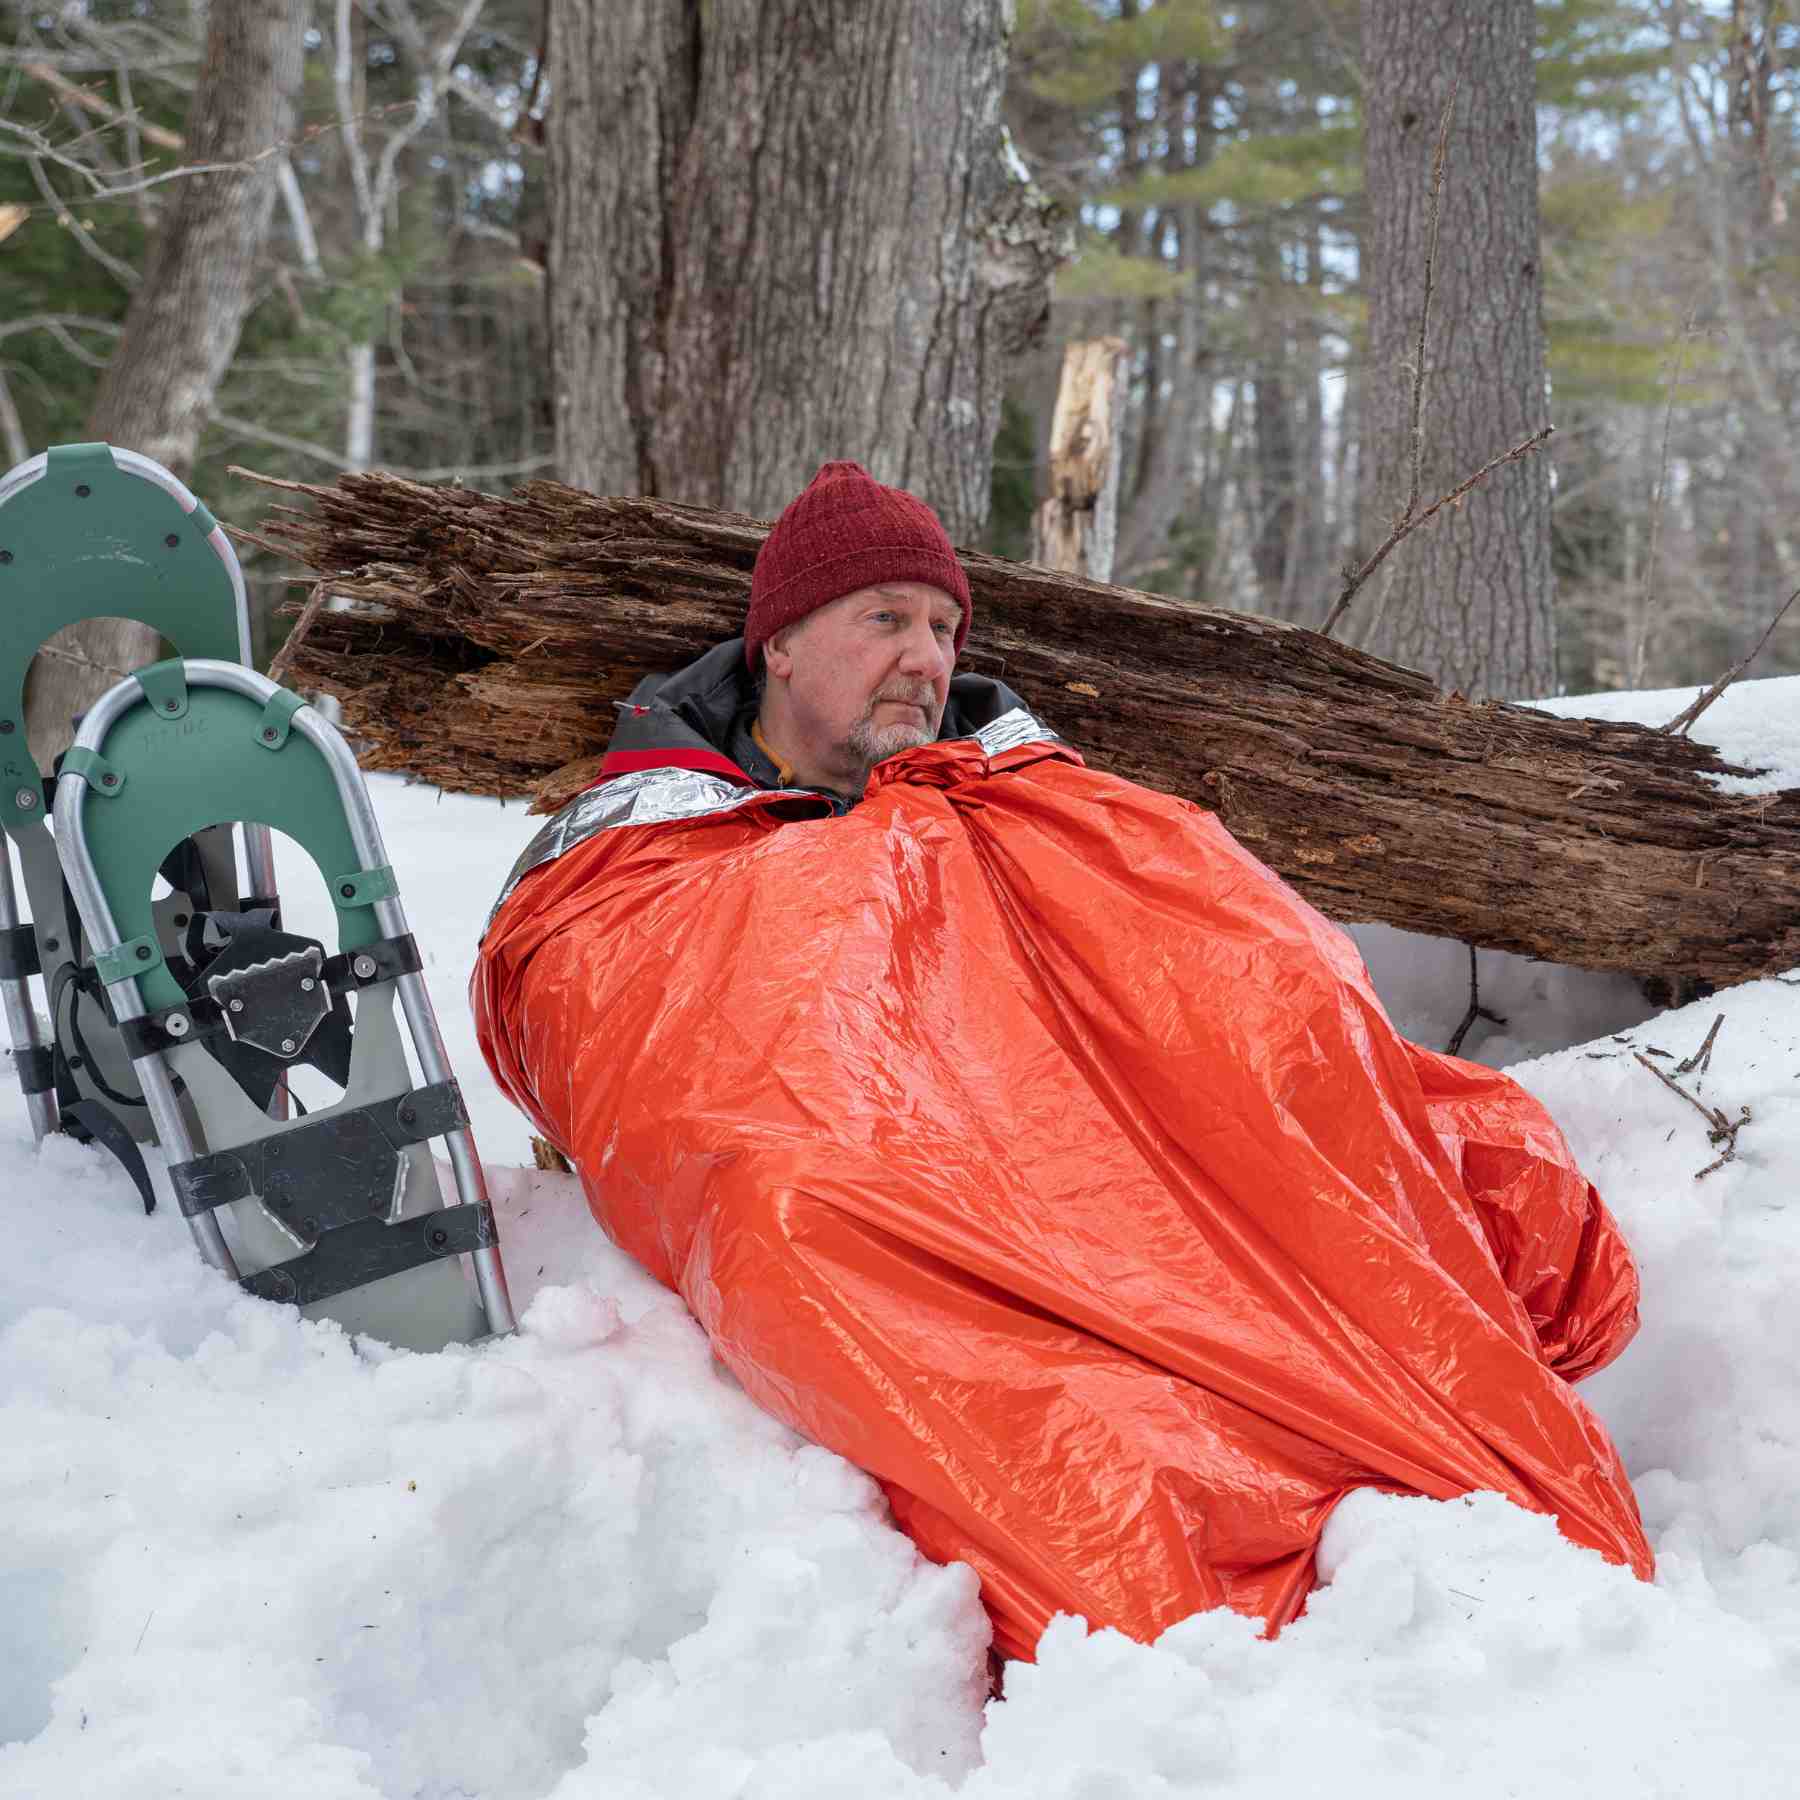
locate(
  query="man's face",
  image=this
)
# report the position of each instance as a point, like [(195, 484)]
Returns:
[(867, 676)]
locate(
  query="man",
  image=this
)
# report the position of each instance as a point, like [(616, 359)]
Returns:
[(1014, 1133), (858, 610)]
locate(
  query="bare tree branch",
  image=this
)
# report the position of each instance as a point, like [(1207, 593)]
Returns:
[(12, 430), (1438, 163), (1404, 527), (1680, 724), (343, 80), (251, 432), (61, 326), (102, 108), (121, 271)]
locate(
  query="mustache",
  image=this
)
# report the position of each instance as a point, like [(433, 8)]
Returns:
[(915, 696)]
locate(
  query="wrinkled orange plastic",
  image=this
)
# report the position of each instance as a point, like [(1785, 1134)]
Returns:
[(1023, 1139)]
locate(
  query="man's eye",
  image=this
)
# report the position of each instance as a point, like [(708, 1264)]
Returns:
[(944, 628)]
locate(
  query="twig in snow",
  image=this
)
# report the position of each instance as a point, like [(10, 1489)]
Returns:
[(1476, 1010), (1702, 1058), (1682, 720), (1721, 1131)]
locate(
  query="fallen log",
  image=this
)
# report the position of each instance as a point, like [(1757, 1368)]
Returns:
[(490, 636)]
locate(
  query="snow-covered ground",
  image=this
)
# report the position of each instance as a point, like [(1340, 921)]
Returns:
[(241, 1556)]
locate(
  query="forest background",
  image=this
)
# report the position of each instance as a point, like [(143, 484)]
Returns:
[(1209, 161)]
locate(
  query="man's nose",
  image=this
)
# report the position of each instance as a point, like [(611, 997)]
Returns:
[(923, 652)]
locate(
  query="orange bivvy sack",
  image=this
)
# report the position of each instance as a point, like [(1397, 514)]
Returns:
[(1024, 1140)]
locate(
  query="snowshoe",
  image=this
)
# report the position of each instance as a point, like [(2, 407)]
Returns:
[(87, 531), (336, 1210)]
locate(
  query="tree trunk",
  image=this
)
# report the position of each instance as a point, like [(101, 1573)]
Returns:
[(1469, 598), (784, 232), (182, 329), (503, 630)]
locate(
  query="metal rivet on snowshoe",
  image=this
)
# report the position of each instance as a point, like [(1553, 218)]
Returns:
[(25, 799), (237, 1006), (109, 780), (407, 1115), (288, 1046), (365, 968), (310, 1227), (143, 952), (171, 704), (176, 1025), (77, 1062), (275, 1148), (307, 985), (7, 728), (173, 539), (180, 919), (82, 492), (440, 1237), (52, 944), (270, 734), (348, 890)]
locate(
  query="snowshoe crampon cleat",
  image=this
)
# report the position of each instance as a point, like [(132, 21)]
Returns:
[(87, 531), (337, 1210)]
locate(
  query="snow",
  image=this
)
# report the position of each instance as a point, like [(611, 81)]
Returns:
[(1754, 724), (243, 1555)]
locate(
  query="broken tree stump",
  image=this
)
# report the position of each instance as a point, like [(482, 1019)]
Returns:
[(1076, 529), (491, 636)]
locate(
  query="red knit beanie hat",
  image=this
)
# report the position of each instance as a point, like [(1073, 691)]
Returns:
[(845, 532)]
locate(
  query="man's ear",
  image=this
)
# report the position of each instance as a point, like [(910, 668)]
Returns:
[(778, 658)]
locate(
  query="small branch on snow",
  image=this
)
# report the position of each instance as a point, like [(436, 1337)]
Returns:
[(1702, 1058), (1721, 1131)]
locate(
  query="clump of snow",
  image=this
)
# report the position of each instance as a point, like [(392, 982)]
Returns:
[(240, 1554), (1754, 724)]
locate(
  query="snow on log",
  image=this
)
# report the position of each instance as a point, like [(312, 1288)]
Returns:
[(488, 638)]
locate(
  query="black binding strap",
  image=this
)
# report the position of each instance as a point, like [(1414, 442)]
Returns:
[(333, 1171), (37, 1068), (74, 1053), (19, 953), (104, 1126), (370, 1250)]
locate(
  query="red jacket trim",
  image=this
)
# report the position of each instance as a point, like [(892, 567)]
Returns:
[(709, 762)]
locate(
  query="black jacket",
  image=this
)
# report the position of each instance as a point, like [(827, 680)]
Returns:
[(700, 718)]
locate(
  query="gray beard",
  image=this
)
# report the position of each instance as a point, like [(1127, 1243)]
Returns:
[(869, 743)]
